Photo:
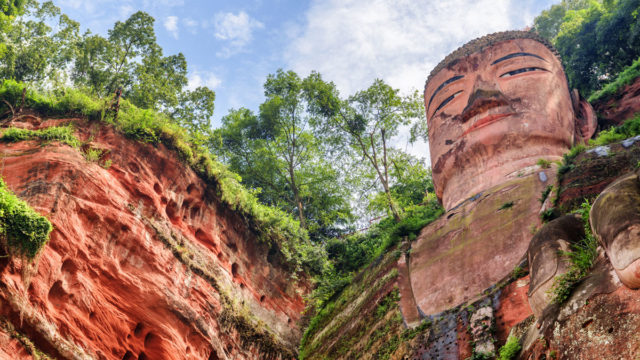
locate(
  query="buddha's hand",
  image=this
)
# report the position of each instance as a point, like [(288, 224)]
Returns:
[(615, 220), (546, 258)]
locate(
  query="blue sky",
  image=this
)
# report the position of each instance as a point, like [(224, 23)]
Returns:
[(231, 46)]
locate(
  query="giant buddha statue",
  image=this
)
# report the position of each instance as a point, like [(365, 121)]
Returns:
[(494, 107), (498, 105)]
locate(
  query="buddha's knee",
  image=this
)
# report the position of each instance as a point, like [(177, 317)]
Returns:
[(546, 260), (615, 220)]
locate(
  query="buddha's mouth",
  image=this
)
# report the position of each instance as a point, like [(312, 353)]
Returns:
[(486, 120)]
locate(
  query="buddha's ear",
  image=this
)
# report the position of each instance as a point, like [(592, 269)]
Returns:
[(585, 118)]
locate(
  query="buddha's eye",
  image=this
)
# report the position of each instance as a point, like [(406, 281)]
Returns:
[(446, 101), (519, 71)]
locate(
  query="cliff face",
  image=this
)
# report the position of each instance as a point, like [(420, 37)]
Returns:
[(144, 261), (476, 291), (614, 110)]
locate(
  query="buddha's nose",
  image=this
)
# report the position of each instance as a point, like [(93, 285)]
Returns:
[(484, 96)]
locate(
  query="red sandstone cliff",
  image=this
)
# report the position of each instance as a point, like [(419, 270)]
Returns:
[(613, 111), (144, 261)]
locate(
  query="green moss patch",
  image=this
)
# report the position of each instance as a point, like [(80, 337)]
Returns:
[(24, 230), (63, 134)]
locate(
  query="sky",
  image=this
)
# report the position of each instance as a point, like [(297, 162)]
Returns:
[(231, 46)]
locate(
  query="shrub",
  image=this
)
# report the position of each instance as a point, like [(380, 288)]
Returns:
[(510, 349), (506, 205), (63, 134), (545, 164), (628, 129), (93, 155), (582, 256), (626, 77), (24, 230)]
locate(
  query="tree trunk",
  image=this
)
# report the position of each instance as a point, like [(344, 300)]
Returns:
[(297, 199)]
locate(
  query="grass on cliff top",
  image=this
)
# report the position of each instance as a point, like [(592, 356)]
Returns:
[(629, 128), (22, 229), (273, 226), (63, 134), (626, 77)]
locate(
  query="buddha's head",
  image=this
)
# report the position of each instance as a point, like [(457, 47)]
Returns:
[(496, 106)]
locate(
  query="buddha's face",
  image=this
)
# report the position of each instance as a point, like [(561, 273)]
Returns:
[(495, 112)]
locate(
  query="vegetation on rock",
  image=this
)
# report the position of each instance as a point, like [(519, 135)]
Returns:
[(581, 256), (510, 349), (63, 134), (22, 229), (272, 225), (626, 77)]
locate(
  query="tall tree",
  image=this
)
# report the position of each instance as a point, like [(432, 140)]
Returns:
[(30, 52), (368, 121), (277, 155), (549, 21)]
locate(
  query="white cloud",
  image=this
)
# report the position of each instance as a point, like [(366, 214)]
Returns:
[(171, 25), (236, 30), (191, 24), (354, 42), (203, 78)]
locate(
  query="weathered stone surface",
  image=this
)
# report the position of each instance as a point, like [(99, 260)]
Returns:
[(615, 219), (513, 308), (615, 110), (546, 260), (476, 244), (497, 111), (144, 262), (481, 320), (589, 174), (606, 327)]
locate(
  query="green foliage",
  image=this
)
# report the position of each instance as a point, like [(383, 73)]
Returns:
[(596, 40), (367, 121), (629, 128), (128, 59), (581, 256), (12, 7), (510, 349), (277, 154), (62, 134), (626, 77), (548, 215), (349, 254), (545, 164), (545, 193), (518, 272), (506, 205), (273, 226), (93, 155), (24, 231), (575, 151)]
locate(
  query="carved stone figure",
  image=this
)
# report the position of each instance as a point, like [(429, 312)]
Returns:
[(615, 220), (496, 106)]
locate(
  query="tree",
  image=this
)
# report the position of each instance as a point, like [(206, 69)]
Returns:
[(549, 21), (411, 181), (29, 51), (278, 156), (193, 111), (12, 7), (368, 121)]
